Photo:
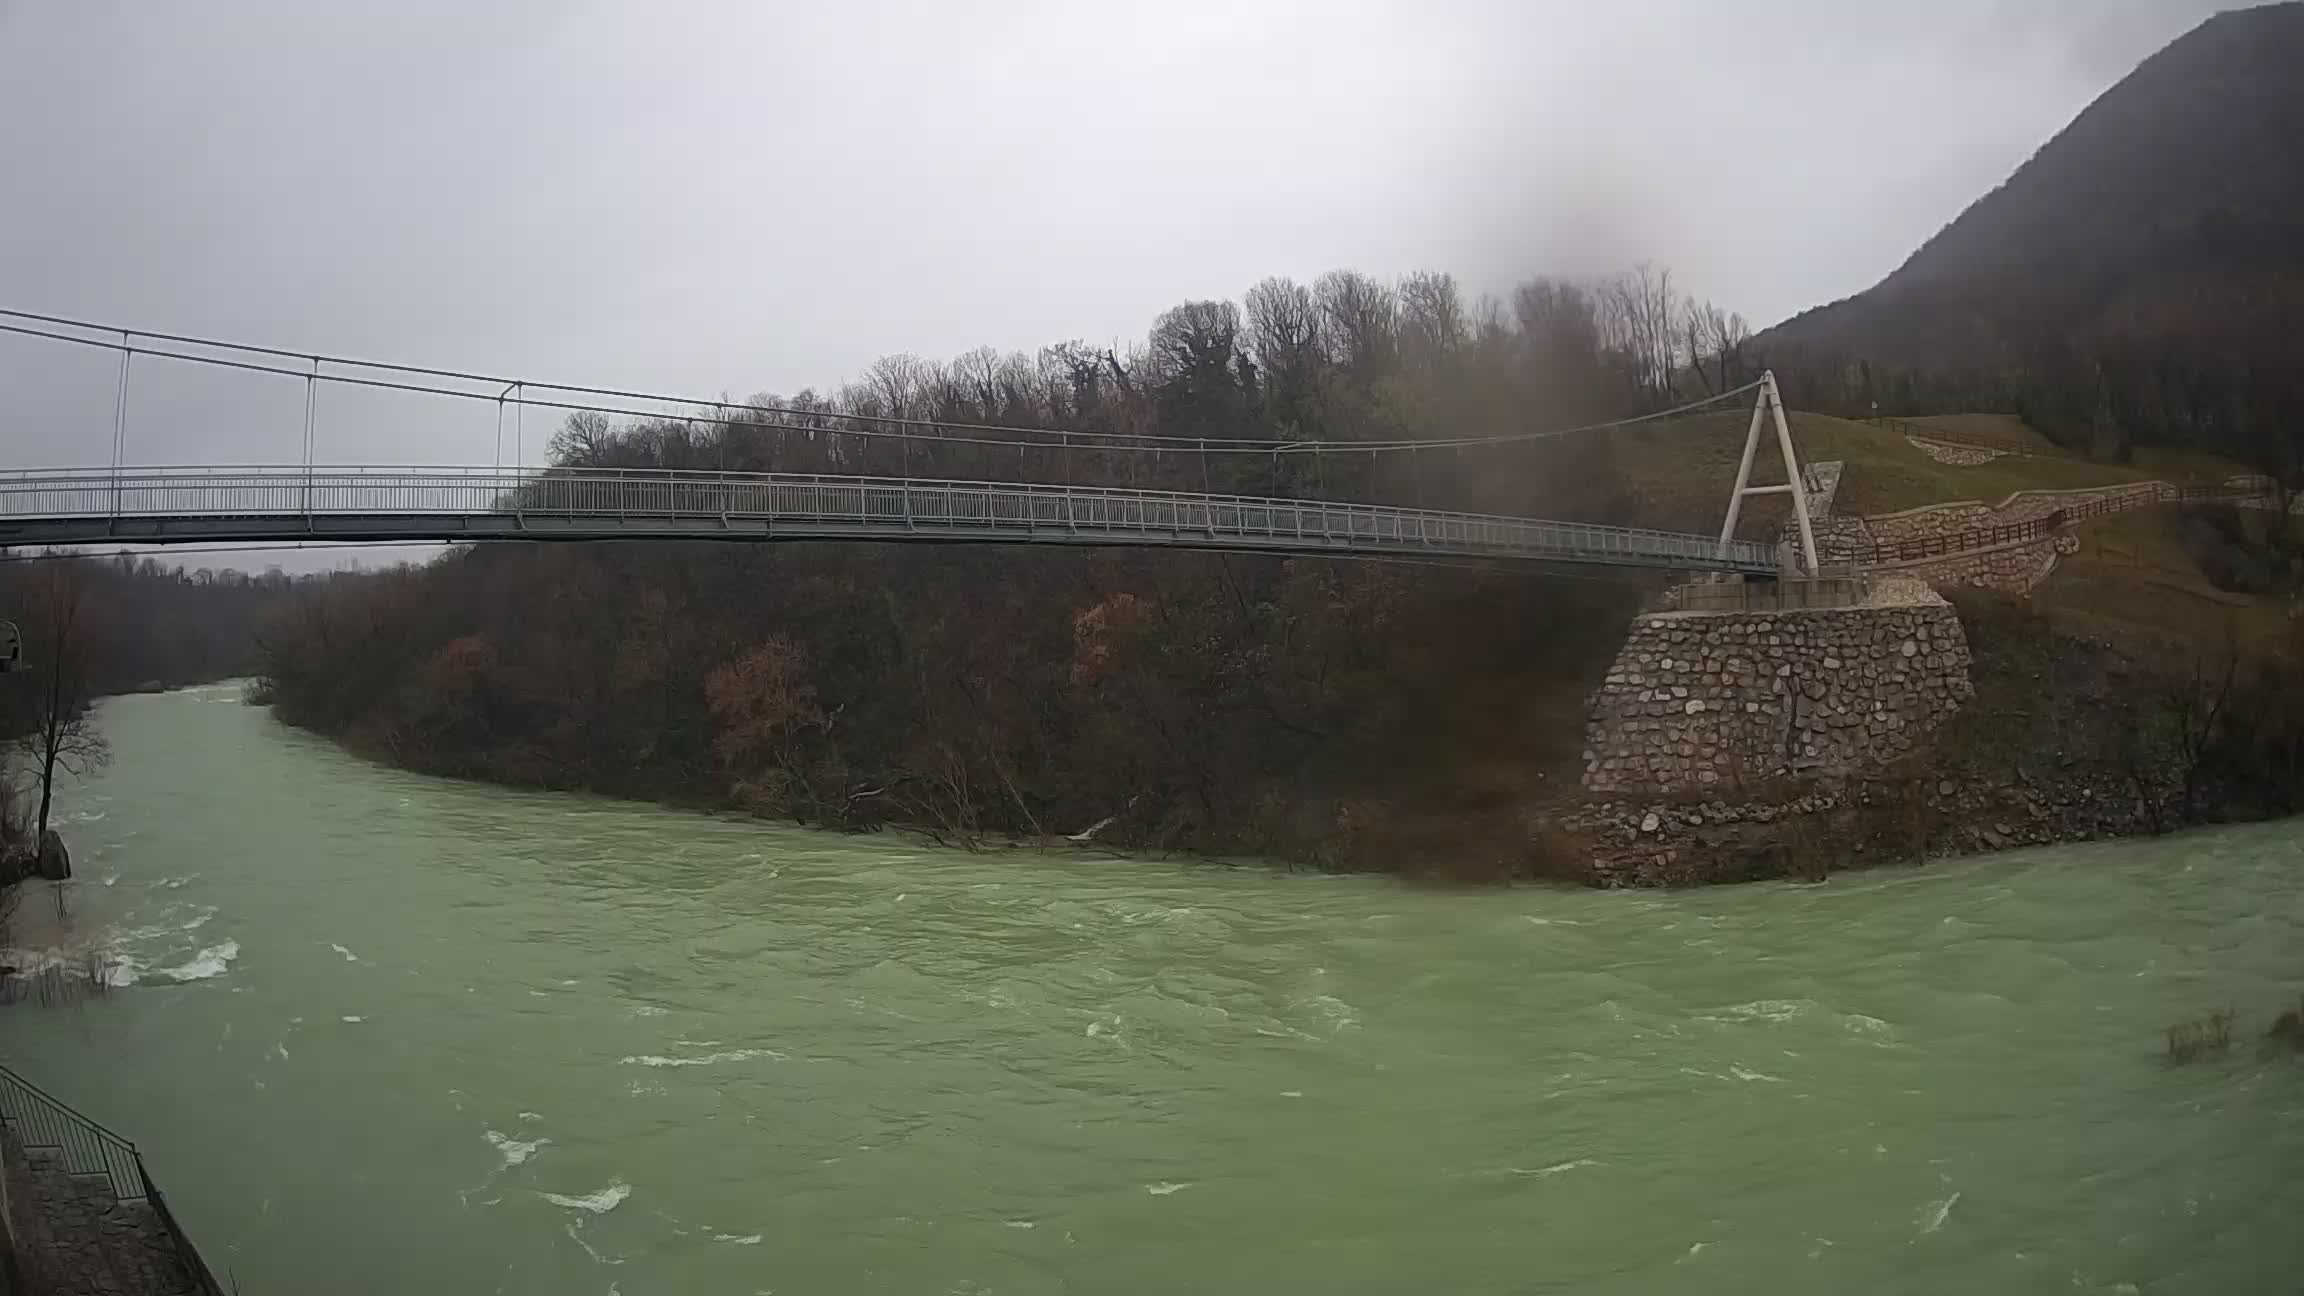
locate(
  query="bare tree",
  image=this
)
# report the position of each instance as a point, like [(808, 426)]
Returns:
[(1284, 330), (584, 440), (1640, 324), (974, 383), (1079, 372), (2196, 706), (901, 384), (1359, 320), (1559, 320), (1491, 322), (1432, 321), (1560, 327), (1715, 337), (64, 735), (1198, 338)]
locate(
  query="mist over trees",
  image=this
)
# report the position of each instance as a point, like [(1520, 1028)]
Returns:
[(147, 623)]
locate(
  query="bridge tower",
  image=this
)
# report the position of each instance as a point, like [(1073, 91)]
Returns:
[(1769, 407)]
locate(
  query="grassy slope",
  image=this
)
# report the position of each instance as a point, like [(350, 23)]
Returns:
[(1680, 470), (2005, 429), (2133, 581), (2131, 578), (2149, 461)]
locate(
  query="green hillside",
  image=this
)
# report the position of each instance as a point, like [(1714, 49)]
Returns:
[(2138, 281), (1679, 471)]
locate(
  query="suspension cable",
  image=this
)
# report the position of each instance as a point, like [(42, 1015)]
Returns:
[(1552, 570), (750, 413), (99, 551)]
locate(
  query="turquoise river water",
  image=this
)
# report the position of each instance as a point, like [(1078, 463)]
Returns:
[(383, 1033)]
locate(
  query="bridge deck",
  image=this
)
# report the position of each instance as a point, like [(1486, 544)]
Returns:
[(378, 505)]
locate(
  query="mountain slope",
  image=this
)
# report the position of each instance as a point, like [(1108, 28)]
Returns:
[(2172, 209)]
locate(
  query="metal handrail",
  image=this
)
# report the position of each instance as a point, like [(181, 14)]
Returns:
[(2117, 499), (186, 1254), (639, 496), (42, 1123), (297, 474)]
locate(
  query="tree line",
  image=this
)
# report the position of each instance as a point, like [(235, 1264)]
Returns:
[(1343, 362)]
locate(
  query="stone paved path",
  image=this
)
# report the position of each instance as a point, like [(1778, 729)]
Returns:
[(77, 1240)]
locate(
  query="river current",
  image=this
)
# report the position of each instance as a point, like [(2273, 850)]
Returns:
[(377, 1032)]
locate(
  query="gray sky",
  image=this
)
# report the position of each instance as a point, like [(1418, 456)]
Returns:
[(734, 197)]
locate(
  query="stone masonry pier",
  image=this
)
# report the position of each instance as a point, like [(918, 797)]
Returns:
[(1710, 701)]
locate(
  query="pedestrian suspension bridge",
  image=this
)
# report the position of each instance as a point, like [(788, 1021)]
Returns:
[(121, 502)]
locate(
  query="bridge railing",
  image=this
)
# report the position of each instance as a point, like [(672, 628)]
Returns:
[(871, 504), (1914, 549), (80, 1146)]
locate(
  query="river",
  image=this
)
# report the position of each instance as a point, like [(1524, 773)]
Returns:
[(381, 1032)]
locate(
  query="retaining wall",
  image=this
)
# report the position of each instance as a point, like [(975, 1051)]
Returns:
[(1707, 701)]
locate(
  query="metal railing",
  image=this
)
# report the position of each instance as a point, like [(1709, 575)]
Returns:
[(77, 1144), (268, 502), (1880, 553), (44, 1126), (187, 1254)]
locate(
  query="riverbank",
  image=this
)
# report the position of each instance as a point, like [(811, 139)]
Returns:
[(2067, 736), (1321, 712)]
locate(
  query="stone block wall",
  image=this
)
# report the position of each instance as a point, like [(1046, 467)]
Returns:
[(1710, 701), (2013, 568), (2009, 569), (1933, 520)]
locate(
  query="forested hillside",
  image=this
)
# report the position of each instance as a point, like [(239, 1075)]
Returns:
[(2139, 281), (1327, 709), (144, 623)]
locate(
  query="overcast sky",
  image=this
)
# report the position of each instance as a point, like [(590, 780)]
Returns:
[(736, 197)]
